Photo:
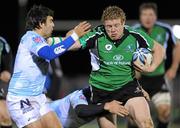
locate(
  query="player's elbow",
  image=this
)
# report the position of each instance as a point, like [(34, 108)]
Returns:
[(80, 111), (46, 53), (159, 49), (163, 51)]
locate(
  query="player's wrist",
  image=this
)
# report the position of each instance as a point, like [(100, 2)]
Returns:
[(106, 106), (174, 66), (153, 66), (75, 36)]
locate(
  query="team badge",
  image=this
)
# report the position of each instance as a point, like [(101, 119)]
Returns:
[(108, 47), (82, 97), (37, 39)]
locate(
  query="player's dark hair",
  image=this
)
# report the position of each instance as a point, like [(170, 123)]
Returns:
[(36, 15), (149, 5)]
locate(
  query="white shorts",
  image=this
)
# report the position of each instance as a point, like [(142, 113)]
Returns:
[(27, 109), (161, 98)]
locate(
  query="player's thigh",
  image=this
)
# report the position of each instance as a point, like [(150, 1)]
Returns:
[(139, 110), (50, 120), (108, 121), (26, 110)]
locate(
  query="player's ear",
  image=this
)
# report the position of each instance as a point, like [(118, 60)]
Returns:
[(123, 22), (41, 24)]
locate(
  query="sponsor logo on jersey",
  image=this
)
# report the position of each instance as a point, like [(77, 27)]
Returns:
[(26, 106), (117, 60), (108, 47), (59, 49), (117, 63), (118, 57)]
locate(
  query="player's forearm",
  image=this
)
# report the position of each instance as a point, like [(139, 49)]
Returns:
[(89, 110), (51, 52), (158, 55), (55, 40), (176, 57)]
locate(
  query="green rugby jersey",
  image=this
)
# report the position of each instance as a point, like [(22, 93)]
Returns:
[(162, 34), (111, 60)]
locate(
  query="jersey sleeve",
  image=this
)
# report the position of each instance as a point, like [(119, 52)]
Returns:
[(89, 40), (78, 98), (55, 40), (136, 26), (149, 40)]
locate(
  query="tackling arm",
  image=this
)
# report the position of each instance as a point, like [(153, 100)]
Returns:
[(114, 107)]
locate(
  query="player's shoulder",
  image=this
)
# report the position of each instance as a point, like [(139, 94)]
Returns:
[(163, 25), (136, 26), (31, 36), (77, 95), (133, 31), (167, 28), (139, 35)]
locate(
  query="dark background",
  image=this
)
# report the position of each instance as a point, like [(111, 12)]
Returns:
[(11, 20)]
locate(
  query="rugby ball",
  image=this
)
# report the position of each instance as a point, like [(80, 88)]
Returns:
[(142, 57)]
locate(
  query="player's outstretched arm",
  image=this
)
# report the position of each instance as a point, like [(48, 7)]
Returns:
[(51, 52), (114, 107)]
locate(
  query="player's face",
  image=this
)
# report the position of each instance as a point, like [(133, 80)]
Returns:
[(48, 26), (148, 18), (114, 28)]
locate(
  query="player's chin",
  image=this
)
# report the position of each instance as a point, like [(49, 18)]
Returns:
[(114, 38), (48, 35)]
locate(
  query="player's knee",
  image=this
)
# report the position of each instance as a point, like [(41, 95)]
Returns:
[(6, 120), (164, 114), (164, 117)]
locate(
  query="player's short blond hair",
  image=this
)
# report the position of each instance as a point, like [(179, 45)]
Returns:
[(113, 12)]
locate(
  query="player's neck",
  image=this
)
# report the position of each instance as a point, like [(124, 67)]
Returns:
[(39, 31), (149, 30)]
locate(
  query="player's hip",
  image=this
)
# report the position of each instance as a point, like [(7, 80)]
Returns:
[(130, 90), (153, 84), (27, 109)]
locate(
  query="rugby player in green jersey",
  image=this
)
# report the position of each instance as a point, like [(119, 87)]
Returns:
[(113, 74), (154, 82)]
